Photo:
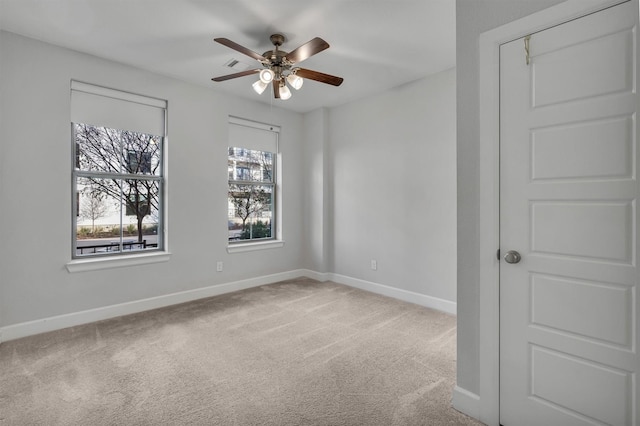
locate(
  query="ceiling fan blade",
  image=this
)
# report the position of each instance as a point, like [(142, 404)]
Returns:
[(235, 46), (308, 49), (235, 75), (276, 89), (319, 76)]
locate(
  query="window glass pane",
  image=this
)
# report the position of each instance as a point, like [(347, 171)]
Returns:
[(142, 153), (116, 215), (141, 205), (101, 149), (98, 217), (250, 212), (98, 149), (151, 230), (250, 165)]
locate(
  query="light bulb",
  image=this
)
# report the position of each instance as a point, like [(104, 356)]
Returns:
[(285, 93), (259, 86), (295, 81), (266, 75)]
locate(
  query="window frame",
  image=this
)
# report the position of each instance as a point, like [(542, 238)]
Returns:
[(276, 240), (246, 180), (121, 257)]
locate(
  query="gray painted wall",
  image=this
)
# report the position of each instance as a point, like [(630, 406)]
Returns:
[(393, 187), (474, 17), (316, 216)]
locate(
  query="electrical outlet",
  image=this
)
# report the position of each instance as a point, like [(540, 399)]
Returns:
[(374, 265), (219, 266)]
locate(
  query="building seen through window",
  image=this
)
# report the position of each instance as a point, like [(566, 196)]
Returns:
[(251, 194)]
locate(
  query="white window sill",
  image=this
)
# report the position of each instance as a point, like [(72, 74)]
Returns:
[(262, 245), (108, 262)]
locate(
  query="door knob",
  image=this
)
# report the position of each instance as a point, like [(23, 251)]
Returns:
[(512, 256)]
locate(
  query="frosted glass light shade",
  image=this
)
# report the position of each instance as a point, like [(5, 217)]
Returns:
[(295, 81), (259, 86), (285, 93), (266, 76)]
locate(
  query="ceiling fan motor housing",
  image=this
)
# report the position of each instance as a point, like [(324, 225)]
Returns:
[(277, 61)]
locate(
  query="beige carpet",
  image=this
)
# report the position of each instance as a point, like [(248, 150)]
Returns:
[(297, 352)]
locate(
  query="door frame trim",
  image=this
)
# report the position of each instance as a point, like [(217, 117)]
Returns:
[(488, 407)]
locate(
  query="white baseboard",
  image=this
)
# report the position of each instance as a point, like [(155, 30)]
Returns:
[(466, 402), (58, 322), (44, 325), (397, 293)]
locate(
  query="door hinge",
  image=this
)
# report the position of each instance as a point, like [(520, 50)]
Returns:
[(498, 254), (526, 48)]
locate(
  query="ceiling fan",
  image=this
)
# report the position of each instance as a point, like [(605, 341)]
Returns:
[(278, 66)]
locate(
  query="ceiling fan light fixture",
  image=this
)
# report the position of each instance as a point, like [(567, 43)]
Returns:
[(285, 93), (279, 67), (295, 81), (266, 76), (259, 86)]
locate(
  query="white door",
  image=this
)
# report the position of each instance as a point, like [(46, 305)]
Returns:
[(568, 204)]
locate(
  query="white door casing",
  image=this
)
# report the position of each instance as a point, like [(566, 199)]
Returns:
[(568, 191), (484, 404)]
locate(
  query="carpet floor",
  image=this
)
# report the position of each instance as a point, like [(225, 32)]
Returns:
[(298, 352)]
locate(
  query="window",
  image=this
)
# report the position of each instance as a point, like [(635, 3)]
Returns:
[(118, 141), (252, 182), (251, 196)]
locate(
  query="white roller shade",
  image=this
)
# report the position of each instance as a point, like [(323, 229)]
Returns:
[(250, 137), (100, 106)]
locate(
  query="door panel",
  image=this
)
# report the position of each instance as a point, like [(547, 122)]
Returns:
[(573, 306), (568, 191), (607, 143), (589, 229), (587, 68), (571, 395)]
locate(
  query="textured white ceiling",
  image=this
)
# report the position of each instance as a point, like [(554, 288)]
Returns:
[(375, 44)]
